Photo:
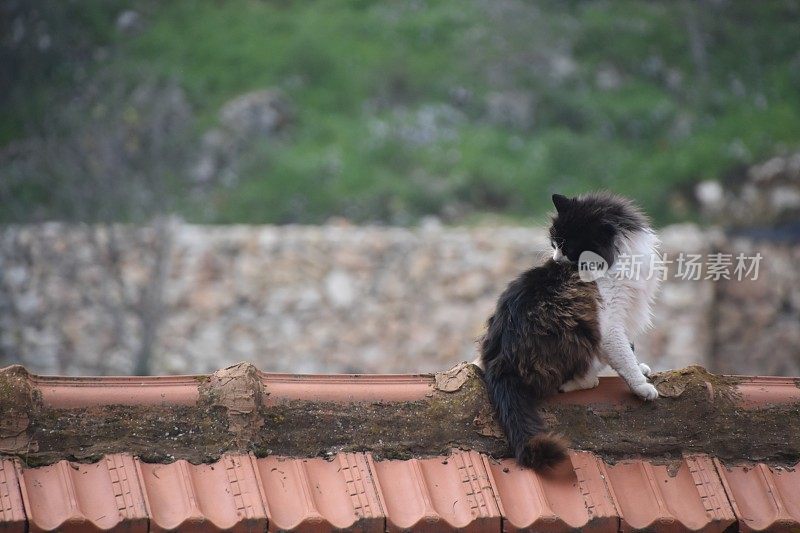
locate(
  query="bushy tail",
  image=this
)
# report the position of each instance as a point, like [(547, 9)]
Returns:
[(516, 407)]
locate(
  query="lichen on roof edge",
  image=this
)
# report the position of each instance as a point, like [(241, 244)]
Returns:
[(240, 409)]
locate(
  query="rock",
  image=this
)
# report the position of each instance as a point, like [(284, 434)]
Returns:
[(218, 151), (339, 288), (255, 114), (243, 121), (453, 379), (562, 66), (129, 21), (425, 125), (765, 195), (608, 78), (239, 391), (344, 298), (511, 108), (710, 194)]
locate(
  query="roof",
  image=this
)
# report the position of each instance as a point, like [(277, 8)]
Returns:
[(250, 488), (352, 490)]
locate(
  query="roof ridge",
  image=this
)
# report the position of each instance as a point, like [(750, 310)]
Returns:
[(241, 409)]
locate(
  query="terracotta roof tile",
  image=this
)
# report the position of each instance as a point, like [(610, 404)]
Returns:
[(12, 510), (464, 490), (68, 392), (764, 498), (576, 498), (441, 492), (317, 495), (689, 496), (346, 388), (225, 495), (760, 391), (100, 496)]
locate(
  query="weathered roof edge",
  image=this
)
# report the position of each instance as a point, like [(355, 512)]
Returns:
[(85, 391), (241, 409)]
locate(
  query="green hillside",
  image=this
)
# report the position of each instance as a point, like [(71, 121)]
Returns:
[(455, 108)]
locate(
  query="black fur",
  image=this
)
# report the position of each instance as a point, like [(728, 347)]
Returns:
[(543, 451), (593, 222), (543, 332)]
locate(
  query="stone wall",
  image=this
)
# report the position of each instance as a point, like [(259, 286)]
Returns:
[(337, 298)]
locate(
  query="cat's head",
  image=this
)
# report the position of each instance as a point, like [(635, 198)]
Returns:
[(593, 222)]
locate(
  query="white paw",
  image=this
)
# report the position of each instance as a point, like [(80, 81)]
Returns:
[(580, 384), (569, 386), (646, 391), (645, 369), (591, 382)]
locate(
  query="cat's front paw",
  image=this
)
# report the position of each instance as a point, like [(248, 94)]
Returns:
[(592, 382), (645, 369), (588, 382), (646, 391), (569, 386)]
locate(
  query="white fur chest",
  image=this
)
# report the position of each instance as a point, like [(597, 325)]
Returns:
[(630, 285)]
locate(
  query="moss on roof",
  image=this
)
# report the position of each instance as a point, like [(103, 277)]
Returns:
[(698, 412)]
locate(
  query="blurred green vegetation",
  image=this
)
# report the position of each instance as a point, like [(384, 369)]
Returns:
[(393, 115)]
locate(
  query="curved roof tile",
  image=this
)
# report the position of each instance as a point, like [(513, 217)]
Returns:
[(464, 490)]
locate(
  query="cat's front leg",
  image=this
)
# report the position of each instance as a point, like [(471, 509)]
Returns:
[(645, 369), (617, 353)]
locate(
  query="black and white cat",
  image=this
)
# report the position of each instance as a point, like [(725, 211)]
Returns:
[(552, 331)]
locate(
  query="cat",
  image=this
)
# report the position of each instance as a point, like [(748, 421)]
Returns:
[(552, 331)]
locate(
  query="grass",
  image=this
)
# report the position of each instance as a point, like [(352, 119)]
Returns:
[(365, 76)]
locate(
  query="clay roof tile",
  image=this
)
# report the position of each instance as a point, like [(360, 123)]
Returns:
[(463, 489)]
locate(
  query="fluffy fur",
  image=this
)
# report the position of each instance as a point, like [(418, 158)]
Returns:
[(551, 331)]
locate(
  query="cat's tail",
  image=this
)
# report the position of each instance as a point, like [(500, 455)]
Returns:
[(516, 406)]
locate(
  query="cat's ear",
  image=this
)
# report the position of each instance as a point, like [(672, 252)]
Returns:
[(561, 202)]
